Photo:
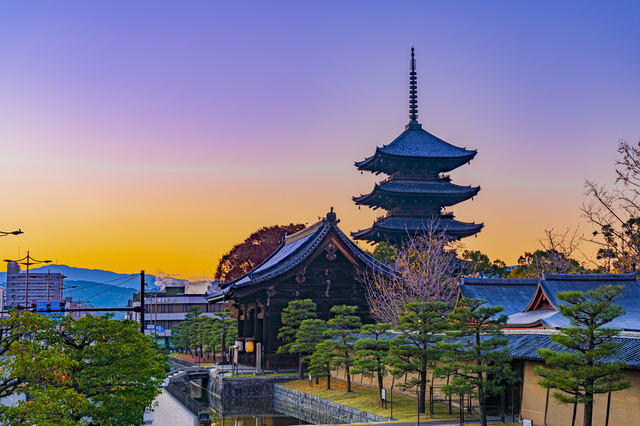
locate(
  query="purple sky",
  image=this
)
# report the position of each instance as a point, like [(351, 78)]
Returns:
[(155, 135)]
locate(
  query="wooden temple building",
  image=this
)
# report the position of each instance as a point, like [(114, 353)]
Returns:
[(319, 263), (417, 189), (532, 308)]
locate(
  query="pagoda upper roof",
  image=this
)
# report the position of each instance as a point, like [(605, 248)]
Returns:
[(294, 250), (406, 226), (420, 188), (417, 143)]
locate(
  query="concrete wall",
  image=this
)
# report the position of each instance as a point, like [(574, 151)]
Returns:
[(230, 396), (625, 405), (316, 410)]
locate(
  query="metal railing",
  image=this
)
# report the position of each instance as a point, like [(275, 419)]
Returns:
[(184, 399)]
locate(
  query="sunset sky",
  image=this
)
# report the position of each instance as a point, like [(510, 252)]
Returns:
[(156, 134)]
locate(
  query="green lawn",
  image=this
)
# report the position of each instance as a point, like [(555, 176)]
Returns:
[(366, 398)]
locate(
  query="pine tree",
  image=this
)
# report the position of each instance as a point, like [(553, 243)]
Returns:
[(476, 358), (309, 334), (321, 361), (415, 351), (343, 327), (372, 353), (292, 317), (584, 372)]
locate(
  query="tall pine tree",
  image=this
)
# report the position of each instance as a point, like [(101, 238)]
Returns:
[(343, 327), (476, 357), (583, 370), (372, 353), (415, 351), (310, 333), (292, 317)]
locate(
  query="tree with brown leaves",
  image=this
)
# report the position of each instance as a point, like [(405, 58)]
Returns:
[(245, 256)]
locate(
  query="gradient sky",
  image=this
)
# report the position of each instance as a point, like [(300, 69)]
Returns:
[(156, 134)]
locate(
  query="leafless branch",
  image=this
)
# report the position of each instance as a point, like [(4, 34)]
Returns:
[(426, 269)]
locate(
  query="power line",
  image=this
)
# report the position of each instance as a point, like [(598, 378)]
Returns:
[(112, 287), (128, 277)]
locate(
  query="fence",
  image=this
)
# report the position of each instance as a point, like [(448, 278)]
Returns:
[(182, 363), (184, 399), (505, 404)]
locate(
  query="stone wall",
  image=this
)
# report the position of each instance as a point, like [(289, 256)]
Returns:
[(235, 387), (237, 396), (316, 410)]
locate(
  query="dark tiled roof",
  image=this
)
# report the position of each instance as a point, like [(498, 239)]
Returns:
[(426, 187), (503, 292), (535, 317), (555, 283), (217, 295), (295, 249), (420, 143), (513, 295), (524, 346), (411, 226)]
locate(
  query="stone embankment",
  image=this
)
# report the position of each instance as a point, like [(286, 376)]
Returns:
[(317, 410)]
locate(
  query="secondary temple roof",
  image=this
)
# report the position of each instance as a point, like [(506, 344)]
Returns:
[(294, 250), (533, 303)]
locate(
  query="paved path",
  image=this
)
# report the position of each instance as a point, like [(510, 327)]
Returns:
[(170, 412)]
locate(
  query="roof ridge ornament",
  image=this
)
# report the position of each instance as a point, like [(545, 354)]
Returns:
[(413, 95), (331, 216)]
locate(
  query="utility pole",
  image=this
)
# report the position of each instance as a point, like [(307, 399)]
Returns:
[(142, 302), (28, 261)]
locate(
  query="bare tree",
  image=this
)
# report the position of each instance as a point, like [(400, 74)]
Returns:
[(615, 213), (554, 257), (425, 268)]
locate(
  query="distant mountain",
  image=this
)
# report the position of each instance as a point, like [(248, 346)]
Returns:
[(95, 275), (106, 289)]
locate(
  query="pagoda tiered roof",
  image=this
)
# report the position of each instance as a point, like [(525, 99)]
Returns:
[(393, 193), (394, 229), (417, 145), (416, 191)]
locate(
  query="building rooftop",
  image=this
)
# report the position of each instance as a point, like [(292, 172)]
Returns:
[(521, 298)]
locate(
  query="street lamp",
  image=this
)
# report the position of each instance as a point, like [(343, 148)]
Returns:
[(28, 261), (4, 234)]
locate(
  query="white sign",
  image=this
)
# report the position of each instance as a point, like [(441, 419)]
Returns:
[(150, 327), (527, 422), (309, 376), (384, 394)]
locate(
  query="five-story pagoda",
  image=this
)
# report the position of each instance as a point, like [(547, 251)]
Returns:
[(417, 190)]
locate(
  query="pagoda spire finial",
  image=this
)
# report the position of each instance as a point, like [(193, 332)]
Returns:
[(413, 89)]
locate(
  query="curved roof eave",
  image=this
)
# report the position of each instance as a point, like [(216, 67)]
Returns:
[(300, 254)]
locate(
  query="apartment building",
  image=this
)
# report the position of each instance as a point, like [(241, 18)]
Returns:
[(42, 286)]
